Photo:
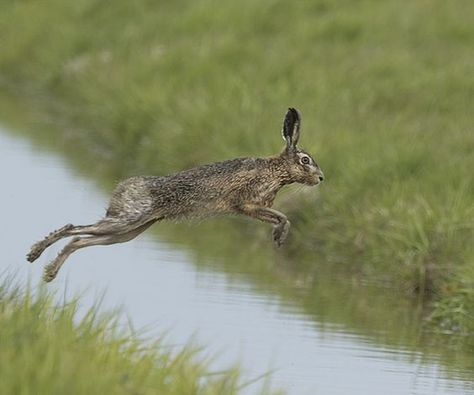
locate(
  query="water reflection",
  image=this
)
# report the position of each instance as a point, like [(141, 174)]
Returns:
[(263, 314)]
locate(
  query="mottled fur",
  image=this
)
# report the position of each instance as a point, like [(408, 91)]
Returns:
[(238, 186)]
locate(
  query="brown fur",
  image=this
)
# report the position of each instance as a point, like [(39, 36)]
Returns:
[(238, 186)]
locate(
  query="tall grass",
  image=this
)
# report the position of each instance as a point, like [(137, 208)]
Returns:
[(49, 349), (386, 90)]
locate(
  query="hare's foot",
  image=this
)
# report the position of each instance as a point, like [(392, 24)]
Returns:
[(280, 223), (280, 232), (50, 271), (38, 248)]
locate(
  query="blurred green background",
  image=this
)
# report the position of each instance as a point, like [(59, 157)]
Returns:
[(385, 88)]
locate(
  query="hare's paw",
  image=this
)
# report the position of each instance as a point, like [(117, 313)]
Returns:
[(280, 232), (50, 272), (36, 250)]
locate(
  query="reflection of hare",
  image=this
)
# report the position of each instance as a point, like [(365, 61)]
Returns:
[(237, 186)]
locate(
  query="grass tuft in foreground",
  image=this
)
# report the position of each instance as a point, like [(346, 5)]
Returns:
[(386, 91), (49, 349)]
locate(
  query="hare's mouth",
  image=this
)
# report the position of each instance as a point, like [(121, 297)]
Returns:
[(319, 178), (316, 177), (316, 180), (313, 182)]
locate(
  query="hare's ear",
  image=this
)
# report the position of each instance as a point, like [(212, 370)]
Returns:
[(291, 128)]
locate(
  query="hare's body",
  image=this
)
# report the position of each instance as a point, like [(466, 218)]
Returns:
[(214, 189), (238, 186)]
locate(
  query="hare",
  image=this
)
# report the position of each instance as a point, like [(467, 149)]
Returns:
[(237, 186)]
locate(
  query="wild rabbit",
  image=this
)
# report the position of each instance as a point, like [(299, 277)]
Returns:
[(237, 186)]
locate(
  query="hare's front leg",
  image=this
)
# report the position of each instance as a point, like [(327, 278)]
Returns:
[(281, 225)]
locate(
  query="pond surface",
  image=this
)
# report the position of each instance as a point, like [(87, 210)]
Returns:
[(162, 288)]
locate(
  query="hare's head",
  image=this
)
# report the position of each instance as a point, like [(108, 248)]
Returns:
[(301, 166)]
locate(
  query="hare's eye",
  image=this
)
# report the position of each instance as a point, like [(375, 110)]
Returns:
[(305, 160)]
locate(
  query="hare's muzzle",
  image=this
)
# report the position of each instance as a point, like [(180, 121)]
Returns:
[(314, 178), (318, 177)]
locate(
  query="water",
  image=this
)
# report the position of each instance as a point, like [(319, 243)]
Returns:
[(161, 287)]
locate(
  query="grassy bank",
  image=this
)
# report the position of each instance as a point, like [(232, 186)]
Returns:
[(385, 88), (46, 349)]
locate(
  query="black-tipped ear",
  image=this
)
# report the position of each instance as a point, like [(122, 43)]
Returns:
[(291, 128)]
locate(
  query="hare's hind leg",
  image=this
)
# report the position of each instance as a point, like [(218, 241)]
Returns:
[(38, 248), (281, 225), (66, 231), (51, 270), (107, 225)]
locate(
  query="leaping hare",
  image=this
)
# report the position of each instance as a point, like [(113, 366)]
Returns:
[(237, 186)]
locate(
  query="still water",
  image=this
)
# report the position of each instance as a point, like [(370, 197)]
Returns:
[(161, 288)]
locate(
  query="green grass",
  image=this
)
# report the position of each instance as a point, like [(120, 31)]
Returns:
[(386, 90), (51, 349)]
